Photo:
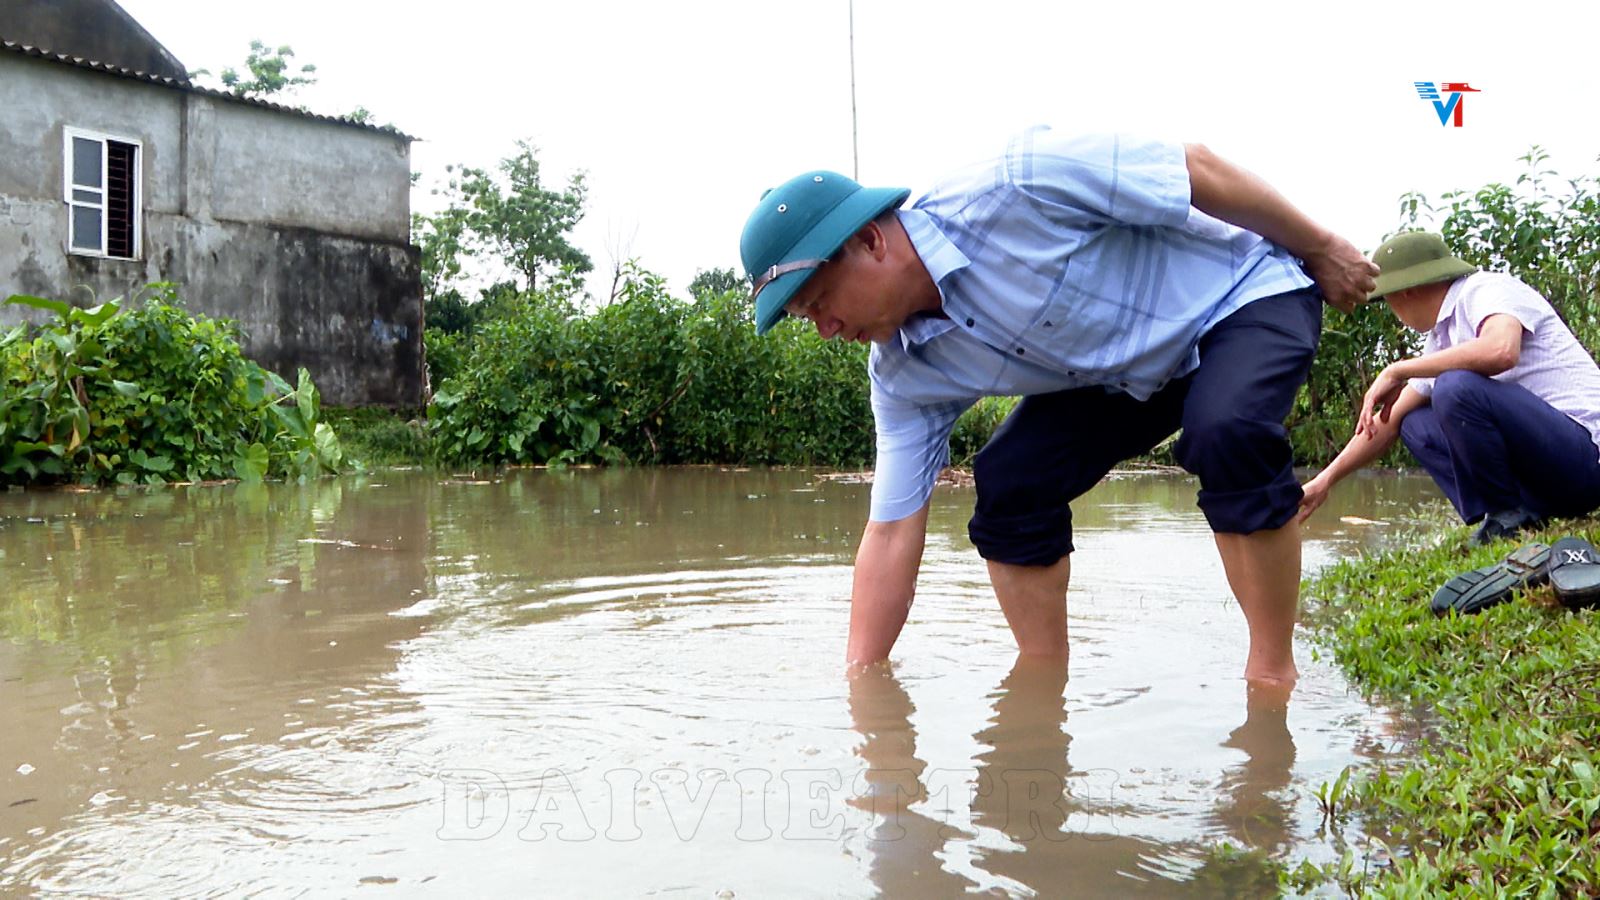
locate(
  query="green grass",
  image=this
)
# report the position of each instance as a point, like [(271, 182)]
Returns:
[(1503, 800), (381, 437)]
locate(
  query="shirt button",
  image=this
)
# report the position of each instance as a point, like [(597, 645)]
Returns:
[(1049, 324), (970, 323), (1019, 351), (1124, 384)]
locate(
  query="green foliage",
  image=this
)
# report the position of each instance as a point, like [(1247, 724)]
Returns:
[(975, 426), (1354, 349), (711, 282), (442, 240), (382, 437), (270, 73), (788, 397), (1543, 228), (516, 217), (448, 312), (149, 395), (444, 353), (1505, 799), (648, 379)]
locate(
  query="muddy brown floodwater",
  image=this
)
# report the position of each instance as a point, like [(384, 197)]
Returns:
[(630, 682)]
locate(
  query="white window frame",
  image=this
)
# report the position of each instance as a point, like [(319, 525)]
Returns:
[(69, 133)]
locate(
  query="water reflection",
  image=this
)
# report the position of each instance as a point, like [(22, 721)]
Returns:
[(202, 651), (1022, 790), (1254, 808), (1034, 822), (905, 844), (271, 680)]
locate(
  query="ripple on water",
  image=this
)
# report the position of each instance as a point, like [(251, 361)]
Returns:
[(347, 720)]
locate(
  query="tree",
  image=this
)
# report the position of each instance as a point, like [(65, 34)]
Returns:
[(442, 240), (715, 282), (269, 73), (524, 222)]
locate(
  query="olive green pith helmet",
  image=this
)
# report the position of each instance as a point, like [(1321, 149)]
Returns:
[(1413, 259)]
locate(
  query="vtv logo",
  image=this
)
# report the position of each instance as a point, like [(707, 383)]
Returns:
[(1447, 109)]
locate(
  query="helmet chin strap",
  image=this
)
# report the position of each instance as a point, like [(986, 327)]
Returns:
[(766, 277)]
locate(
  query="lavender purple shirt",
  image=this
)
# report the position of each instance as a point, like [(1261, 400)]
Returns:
[(1552, 366)]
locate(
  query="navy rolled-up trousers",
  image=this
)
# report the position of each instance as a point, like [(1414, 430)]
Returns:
[(1054, 447), (1493, 446)]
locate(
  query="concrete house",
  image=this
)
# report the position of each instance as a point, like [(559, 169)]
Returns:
[(117, 171)]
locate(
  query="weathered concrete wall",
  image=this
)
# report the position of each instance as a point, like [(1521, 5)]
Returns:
[(39, 98), (296, 228), (273, 169)]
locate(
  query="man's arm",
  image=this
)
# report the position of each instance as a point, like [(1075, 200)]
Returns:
[(1497, 348), (885, 583), (1362, 449), (1221, 189)]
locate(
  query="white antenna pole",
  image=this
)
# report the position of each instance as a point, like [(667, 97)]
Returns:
[(855, 147)]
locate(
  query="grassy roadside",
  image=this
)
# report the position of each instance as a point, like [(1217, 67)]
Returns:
[(1504, 802)]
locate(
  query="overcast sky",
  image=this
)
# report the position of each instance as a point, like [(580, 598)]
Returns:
[(683, 112)]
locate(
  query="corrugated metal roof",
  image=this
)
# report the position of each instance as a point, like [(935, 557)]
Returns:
[(184, 84)]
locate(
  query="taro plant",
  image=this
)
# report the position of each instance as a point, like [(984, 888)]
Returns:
[(149, 395), (44, 404)]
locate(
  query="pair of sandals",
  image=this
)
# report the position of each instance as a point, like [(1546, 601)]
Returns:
[(1571, 566)]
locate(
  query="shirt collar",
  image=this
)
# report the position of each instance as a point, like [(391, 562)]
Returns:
[(940, 257), (1452, 296)]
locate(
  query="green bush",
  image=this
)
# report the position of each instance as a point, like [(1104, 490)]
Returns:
[(526, 392), (975, 426), (444, 351), (381, 437), (723, 415), (149, 395), (650, 379)]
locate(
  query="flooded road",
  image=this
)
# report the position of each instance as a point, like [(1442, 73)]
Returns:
[(626, 683)]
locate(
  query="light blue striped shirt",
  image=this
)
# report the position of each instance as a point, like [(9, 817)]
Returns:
[(1067, 262)]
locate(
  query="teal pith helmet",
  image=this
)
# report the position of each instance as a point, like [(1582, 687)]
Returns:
[(796, 227)]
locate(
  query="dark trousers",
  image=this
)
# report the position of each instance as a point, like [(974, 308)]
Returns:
[(1054, 447), (1493, 447)]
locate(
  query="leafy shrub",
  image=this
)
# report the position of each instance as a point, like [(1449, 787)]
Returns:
[(724, 415), (523, 394), (649, 379), (149, 395), (1354, 349), (381, 437), (975, 426), (444, 351)]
